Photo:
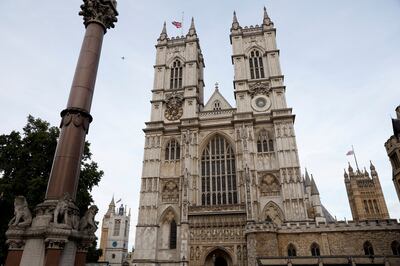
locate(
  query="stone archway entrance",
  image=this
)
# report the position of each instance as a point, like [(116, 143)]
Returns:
[(218, 257)]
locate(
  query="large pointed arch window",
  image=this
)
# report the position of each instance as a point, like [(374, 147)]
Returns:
[(218, 173), (256, 65), (176, 75)]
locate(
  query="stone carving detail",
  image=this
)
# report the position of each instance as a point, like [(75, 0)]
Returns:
[(103, 12), (273, 214), (61, 210), (174, 102), (22, 214), (15, 244), (269, 185), (55, 243), (170, 190), (78, 119), (87, 222), (259, 88)]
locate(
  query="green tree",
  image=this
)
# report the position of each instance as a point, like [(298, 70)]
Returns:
[(25, 163)]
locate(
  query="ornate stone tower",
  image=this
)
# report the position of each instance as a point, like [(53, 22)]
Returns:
[(115, 234), (365, 194), (392, 146), (215, 176)]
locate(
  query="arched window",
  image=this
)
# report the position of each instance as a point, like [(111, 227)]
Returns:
[(218, 173), (371, 208), (217, 105), (172, 235), (117, 226), (172, 151), (176, 75), (368, 249), (315, 252), (366, 206), (256, 65), (376, 206), (264, 143), (395, 248), (291, 250)]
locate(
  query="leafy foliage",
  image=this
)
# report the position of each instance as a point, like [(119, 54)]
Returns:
[(25, 164)]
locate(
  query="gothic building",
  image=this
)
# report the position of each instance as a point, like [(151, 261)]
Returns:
[(222, 184), (115, 234), (365, 194), (392, 146)]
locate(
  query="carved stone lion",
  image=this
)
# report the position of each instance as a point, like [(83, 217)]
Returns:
[(22, 214), (61, 210), (87, 222)]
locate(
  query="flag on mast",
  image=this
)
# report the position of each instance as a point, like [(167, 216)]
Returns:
[(118, 200), (351, 152), (177, 24)]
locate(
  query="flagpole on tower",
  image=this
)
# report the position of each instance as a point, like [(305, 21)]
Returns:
[(183, 13), (355, 158)]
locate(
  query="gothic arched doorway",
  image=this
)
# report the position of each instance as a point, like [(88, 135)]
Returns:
[(218, 257)]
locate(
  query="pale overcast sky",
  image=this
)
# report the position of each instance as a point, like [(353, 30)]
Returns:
[(340, 60)]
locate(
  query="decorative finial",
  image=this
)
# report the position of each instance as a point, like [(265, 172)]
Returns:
[(98, 11), (192, 29), (163, 34), (216, 86), (266, 19), (234, 17), (235, 23)]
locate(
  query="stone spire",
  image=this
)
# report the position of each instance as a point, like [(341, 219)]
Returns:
[(351, 172), (163, 34), (346, 176), (235, 23), (266, 19), (307, 181), (314, 189), (373, 171), (192, 29)]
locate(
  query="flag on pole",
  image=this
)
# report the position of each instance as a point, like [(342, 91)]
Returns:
[(350, 153), (177, 24), (118, 200)]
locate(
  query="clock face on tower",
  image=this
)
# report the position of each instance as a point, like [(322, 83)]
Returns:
[(114, 244), (260, 103)]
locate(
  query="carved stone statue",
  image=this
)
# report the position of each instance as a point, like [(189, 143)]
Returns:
[(61, 210), (87, 222), (22, 214)]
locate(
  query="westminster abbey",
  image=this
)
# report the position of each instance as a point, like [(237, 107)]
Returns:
[(222, 184)]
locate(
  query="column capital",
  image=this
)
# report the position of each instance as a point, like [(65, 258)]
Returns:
[(103, 12)]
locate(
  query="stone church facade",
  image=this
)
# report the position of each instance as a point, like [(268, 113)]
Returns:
[(221, 184)]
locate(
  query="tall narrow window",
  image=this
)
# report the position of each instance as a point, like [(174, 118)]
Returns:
[(176, 75), (172, 235), (291, 250), (368, 249), (395, 248), (172, 151), (117, 227), (371, 208), (218, 173), (376, 206), (126, 228), (315, 252), (366, 207), (256, 65), (264, 143)]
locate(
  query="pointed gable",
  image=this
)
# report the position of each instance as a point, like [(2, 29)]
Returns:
[(217, 101)]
